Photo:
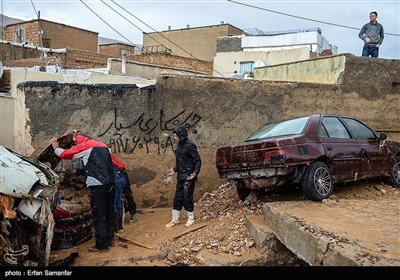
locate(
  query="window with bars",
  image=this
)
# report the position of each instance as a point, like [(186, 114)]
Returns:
[(246, 67)]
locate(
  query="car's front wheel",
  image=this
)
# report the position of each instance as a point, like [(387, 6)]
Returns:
[(395, 174), (317, 182)]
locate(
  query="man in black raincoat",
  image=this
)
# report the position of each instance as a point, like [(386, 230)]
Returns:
[(187, 167)]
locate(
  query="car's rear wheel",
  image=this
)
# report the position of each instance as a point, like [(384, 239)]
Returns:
[(242, 191), (395, 175), (317, 181)]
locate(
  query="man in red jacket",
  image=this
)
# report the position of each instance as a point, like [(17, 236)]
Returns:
[(98, 169)]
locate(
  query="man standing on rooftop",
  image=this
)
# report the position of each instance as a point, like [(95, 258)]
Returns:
[(372, 34)]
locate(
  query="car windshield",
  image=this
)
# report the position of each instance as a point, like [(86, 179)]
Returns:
[(278, 129)]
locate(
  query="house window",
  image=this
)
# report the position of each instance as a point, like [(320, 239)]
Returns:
[(46, 42), (246, 67), (125, 53), (20, 35)]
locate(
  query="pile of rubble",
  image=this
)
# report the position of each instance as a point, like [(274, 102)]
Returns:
[(222, 228)]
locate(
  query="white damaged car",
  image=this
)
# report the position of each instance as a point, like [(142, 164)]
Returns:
[(28, 197)]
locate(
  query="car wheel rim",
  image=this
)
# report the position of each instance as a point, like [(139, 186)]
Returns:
[(396, 172), (322, 181)]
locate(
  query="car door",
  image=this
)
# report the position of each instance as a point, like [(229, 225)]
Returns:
[(343, 151), (375, 159)]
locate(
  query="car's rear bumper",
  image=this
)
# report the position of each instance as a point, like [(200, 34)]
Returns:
[(259, 178)]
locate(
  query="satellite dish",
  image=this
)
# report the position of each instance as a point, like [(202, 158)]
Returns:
[(1, 69), (260, 63)]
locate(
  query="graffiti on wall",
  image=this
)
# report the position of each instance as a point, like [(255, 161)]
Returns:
[(149, 127)]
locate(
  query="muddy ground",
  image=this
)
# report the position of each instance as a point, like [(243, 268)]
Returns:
[(219, 236)]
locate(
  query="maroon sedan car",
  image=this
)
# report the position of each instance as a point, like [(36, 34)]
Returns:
[(313, 152)]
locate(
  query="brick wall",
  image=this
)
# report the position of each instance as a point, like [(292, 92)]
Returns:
[(115, 49), (58, 35), (174, 61), (83, 59), (17, 56)]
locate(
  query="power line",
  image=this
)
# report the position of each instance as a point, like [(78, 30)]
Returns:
[(159, 33), (40, 22), (126, 19), (289, 15), (109, 25), (162, 63), (116, 30)]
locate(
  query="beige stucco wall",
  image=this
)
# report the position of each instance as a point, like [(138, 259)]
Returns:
[(326, 70), (8, 117), (196, 42), (21, 137), (370, 77)]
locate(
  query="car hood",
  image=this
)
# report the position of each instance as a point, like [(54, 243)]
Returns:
[(19, 174)]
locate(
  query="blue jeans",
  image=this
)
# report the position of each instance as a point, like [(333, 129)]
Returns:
[(372, 50), (119, 186)]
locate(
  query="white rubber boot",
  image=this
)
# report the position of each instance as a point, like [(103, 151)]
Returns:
[(190, 220), (175, 218)]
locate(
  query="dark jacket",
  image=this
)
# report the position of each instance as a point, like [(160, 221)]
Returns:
[(96, 158), (187, 158)]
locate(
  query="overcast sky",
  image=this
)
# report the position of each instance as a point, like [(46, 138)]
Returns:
[(340, 21)]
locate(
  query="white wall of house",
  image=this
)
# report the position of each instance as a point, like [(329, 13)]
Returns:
[(290, 40), (273, 48)]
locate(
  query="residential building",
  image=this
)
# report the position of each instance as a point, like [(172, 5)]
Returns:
[(198, 42), (117, 48), (245, 52), (49, 34)]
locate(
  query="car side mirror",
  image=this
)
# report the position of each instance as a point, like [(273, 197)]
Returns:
[(382, 136)]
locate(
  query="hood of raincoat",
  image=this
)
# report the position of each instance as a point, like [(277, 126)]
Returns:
[(181, 132)]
